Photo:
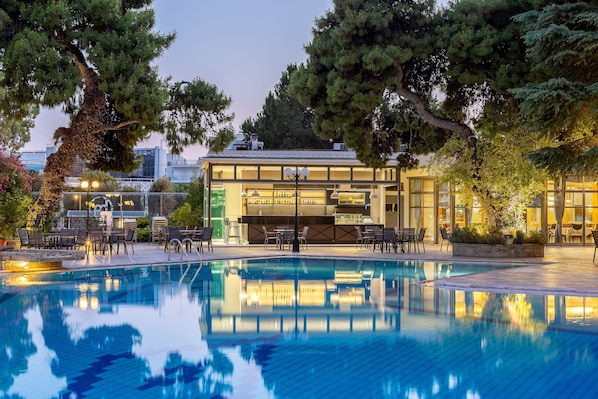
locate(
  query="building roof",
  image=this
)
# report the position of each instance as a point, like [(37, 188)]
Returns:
[(313, 157)]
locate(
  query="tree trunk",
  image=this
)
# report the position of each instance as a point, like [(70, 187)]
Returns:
[(80, 139), (559, 209)]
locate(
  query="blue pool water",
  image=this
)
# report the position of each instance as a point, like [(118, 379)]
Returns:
[(289, 328)]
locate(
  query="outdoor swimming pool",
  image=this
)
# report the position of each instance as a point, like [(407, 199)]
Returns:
[(289, 328)]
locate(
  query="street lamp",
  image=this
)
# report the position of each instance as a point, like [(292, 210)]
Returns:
[(86, 185), (296, 175)]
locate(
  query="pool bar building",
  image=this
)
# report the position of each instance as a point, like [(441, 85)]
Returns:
[(339, 194)]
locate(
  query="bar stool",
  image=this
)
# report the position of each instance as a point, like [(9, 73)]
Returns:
[(232, 231)]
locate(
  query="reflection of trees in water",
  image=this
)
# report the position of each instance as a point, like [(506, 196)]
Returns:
[(197, 380), (100, 349), (17, 343)]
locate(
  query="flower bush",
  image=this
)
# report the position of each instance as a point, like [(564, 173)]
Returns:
[(15, 195)]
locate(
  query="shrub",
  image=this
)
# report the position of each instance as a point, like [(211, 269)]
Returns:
[(142, 222), (15, 195), (535, 237), (143, 235), (480, 234)]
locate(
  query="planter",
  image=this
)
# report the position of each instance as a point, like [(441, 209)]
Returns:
[(498, 251)]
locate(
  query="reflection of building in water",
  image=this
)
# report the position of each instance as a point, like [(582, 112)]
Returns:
[(374, 298)]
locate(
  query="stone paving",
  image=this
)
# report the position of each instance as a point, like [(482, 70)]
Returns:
[(564, 270)]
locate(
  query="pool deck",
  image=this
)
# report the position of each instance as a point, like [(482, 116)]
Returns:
[(564, 270)]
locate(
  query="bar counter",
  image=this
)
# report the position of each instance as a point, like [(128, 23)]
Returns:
[(322, 229)]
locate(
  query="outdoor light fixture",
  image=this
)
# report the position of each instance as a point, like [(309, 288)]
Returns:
[(244, 194), (255, 194), (296, 174), (373, 193)]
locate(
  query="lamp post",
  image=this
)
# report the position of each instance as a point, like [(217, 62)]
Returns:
[(86, 185), (296, 175)]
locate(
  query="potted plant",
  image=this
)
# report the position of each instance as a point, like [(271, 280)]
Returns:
[(508, 239), (519, 236), (15, 195)]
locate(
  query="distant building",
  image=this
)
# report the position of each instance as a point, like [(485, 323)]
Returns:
[(36, 160), (156, 163)]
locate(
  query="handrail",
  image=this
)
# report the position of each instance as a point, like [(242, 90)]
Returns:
[(182, 248)]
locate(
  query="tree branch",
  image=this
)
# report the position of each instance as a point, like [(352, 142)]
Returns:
[(424, 113)]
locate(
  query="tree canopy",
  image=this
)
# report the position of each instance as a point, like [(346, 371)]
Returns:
[(14, 124), (95, 59), (561, 104), (284, 123), (446, 75)]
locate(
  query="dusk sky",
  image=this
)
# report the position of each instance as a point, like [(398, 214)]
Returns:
[(240, 46)]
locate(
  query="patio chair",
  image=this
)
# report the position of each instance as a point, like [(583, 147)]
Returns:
[(206, 236), (574, 231), (81, 239), (23, 238), (420, 239), (360, 242), (389, 239), (97, 241), (303, 236), (66, 238), (171, 234), (287, 237), (445, 237), (118, 237), (409, 237), (378, 238), (35, 239), (269, 237), (129, 239)]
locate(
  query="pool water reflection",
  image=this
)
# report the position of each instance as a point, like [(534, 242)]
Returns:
[(288, 328)]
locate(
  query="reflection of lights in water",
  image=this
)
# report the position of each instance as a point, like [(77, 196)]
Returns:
[(88, 296), (112, 284), (83, 302)]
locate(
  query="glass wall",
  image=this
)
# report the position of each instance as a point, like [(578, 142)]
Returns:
[(422, 205), (579, 211), (445, 206)]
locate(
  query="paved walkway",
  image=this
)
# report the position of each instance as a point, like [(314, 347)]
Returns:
[(563, 270)]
